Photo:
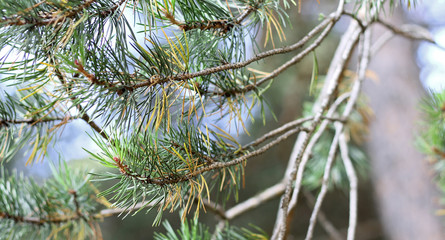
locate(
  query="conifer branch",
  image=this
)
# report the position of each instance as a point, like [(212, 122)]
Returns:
[(33, 121), (84, 116), (231, 66), (52, 18), (172, 179)]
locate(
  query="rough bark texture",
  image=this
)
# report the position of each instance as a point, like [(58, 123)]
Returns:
[(402, 181)]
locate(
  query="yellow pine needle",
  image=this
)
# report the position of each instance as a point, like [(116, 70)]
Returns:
[(182, 52), (226, 135), (191, 195), (241, 121), (180, 157), (192, 107), (152, 114), (269, 33), (208, 138), (189, 158), (204, 182), (65, 39), (233, 176), (27, 88), (201, 187), (32, 93), (143, 49), (34, 150), (278, 27), (47, 64), (58, 229), (44, 147), (223, 179), (261, 74), (173, 47), (181, 88), (159, 115), (4, 146), (200, 99), (186, 45), (205, 141), (199, 207)]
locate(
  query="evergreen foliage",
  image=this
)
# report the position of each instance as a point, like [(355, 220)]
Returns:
[(159, 82)]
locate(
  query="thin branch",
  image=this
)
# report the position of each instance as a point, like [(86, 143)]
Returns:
[(32, 121), (102, 214), (255, 201), (164, 180), (353, 183), (277, 131), (331, 84), (357, 19), (411, 31), (52, 18), (308, 152), (224, 25), (324, 185), (214, 207), (381, 41), (35, 220), (364, 60), (325, 223), (76, 204), (326, 24), (84, 116), (291, 62), (231, 66), (288, 126), (245, 14)]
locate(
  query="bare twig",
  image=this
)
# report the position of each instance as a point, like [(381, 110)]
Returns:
[(208, 71), (32, 121), (411, 31), (353, 182), (213, 207), (364, 60), (255, 201), (293, 60), (324, 184), (325, 223), (277, 131), (308, 152), (325, 98)]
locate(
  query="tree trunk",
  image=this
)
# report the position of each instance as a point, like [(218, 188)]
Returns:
[(404, 191)]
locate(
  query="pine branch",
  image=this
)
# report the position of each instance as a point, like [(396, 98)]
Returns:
[(231, 66), (35, 220), (171, 179), (410, 31), (331, 83), (53, 18), (33, 121), (84, 116)]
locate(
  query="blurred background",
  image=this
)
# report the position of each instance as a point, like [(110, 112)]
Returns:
[(397, 200)]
